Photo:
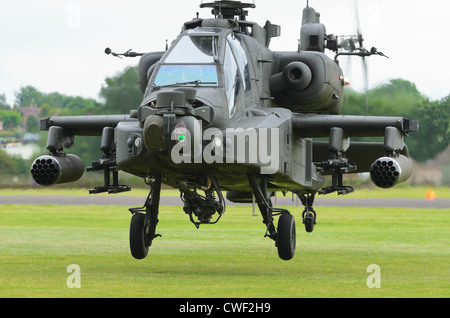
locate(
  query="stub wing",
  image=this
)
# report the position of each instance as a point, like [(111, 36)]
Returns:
[(91, 125), (388, 161), (309, 125)]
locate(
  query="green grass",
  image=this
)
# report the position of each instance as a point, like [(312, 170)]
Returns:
[(229, 259)]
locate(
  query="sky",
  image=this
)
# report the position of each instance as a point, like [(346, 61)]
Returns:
[(58, 45)]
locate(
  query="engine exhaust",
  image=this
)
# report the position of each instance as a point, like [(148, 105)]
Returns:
[(386, 172), (49, 170)]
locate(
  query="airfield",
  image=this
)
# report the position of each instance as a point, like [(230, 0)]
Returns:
[(404, 235), (130, 201)]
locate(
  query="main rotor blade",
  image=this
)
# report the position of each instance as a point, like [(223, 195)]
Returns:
[(366, 83), (358, 25), (364, 61)]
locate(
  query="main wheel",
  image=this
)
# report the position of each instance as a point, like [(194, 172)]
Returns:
[(286, 238), (138, 228)]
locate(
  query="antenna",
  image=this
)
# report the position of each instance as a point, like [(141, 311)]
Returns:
[(307, 3)]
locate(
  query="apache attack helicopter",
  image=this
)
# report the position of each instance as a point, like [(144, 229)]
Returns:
[(222, 112)]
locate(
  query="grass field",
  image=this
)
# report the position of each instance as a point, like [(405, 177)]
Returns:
[(229, 259)]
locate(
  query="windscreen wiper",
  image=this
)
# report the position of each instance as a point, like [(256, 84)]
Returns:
[(196, 83)]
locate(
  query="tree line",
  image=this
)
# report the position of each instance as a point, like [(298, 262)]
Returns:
[(121, 93), (399, 97)]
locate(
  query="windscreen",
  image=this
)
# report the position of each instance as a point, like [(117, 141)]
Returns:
[(191, 62), (196, 75)]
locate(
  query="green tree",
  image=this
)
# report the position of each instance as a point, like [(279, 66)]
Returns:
[(32, 124), (28, 96), (3, 104), (11, 119), (122, 92), (78, 105), (54, 100), (56, 103), (434, 129), (402, 98), (398, 97)]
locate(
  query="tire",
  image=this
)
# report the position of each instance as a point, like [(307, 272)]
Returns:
[(286, 239), (138, 247), (309, 222)]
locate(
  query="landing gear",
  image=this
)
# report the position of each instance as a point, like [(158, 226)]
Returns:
[(203, 208), (286, 239), (309, 219), (308, 215), (144, 221), (285, 234), (138, 235)]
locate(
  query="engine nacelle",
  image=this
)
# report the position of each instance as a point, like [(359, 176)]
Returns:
[(307, 82), (49, 170), (386, 172), (296, 76)]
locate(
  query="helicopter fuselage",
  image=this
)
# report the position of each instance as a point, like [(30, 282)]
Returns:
[(223, 74)]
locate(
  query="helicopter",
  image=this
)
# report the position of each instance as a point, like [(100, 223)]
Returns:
[(222, 113)]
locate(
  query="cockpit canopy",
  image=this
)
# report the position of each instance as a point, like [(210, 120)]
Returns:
[(191, 61), (207, 58)]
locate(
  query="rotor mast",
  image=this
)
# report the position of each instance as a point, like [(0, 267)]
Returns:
[(227, 9)]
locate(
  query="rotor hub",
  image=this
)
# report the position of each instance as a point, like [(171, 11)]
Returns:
[(228, 9)]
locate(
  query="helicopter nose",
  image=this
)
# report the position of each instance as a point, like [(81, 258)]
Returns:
[(158, 128)]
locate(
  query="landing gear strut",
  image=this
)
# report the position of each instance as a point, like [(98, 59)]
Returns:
[(308, 215), (285, 234), (144, 221)]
